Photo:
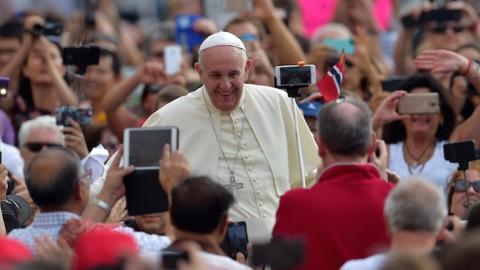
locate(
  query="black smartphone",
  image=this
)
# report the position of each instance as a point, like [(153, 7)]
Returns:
[(236, 239), (392, 84), (442, 15), (278, 253), (171, 258)]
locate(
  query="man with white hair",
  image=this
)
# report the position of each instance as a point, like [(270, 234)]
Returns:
[(43, 132), (36, 134), (241, 135), (415, 211)]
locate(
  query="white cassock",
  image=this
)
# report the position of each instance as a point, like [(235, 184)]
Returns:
[(267, 161)]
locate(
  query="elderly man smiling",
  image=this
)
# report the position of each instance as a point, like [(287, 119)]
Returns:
[(241, 135)]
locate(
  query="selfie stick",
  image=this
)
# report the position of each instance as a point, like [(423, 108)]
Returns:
[(292, 92)]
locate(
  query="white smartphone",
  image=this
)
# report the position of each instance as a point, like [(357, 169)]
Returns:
[(143, 147), (173, 59), (295, 75)]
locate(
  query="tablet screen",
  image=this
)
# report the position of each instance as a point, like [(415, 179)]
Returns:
[(145, 146)]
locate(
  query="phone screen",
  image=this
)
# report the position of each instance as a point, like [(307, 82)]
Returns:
[(237, 238), (296, 75), (173, 59)]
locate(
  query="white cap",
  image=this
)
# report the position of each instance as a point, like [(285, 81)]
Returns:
[(222, 39)]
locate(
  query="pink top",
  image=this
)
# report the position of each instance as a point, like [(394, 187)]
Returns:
[(319, 12)]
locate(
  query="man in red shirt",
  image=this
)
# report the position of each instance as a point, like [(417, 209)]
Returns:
[(341, 216)]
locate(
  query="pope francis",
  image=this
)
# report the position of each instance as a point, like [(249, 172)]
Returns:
[(240, 135)]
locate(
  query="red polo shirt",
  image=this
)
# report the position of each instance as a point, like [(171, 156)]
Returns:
[(340, 217)]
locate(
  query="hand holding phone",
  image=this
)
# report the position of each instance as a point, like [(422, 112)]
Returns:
[(236, 239)]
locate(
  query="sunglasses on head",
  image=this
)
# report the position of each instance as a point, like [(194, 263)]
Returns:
[(38, 146), (443, 28), (463, 185)]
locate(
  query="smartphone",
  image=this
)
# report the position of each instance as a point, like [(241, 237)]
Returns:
[(238, 6), (442, 15), (236, 239), (346, 45), (171, 258), (392, 84), (295, 75), (278, 253), (459, 152), (419, 103), (4, 82), (173, 59)]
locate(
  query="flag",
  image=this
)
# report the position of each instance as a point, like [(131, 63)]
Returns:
[(331, 82)]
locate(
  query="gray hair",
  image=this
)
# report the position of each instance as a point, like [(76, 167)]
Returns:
[(45, 122), (415, 205), (345, 132), (242, 52)]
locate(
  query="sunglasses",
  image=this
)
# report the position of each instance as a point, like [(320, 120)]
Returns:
[(443, 28), (37, 147), (463, 185)]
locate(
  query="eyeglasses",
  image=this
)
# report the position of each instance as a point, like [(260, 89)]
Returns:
[(38, 146), (443, 28), (463, 185)]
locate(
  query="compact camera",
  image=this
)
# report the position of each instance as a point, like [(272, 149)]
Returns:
[(295, 75), (80, 115), (4, 82), (49, 29)]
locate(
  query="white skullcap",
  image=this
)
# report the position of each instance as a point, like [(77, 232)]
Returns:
[(222, 39)]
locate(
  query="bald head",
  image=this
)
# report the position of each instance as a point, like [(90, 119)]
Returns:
[(346, 128), (52, 176)]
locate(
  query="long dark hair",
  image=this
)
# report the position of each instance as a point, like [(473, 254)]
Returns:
[(395, 132)]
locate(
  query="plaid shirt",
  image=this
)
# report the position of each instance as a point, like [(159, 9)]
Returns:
[(50, 224)]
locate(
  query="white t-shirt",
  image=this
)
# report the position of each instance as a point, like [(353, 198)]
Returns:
[(374, 262), (217, 262), (437, 169)]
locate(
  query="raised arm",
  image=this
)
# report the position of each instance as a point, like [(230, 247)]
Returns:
[(173, 169), (64, 92), (119, 117), (113, 189), (15, 64), (289, 51), (448, 61)]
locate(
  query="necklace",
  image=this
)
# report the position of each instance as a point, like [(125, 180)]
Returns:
[(417, 164), (232, 185)]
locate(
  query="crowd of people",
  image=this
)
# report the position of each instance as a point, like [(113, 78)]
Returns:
[(354, 183)]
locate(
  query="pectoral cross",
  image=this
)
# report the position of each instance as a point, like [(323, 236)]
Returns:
[(233, 187)]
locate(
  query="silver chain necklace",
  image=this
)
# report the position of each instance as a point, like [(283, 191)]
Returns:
[(232, 186)]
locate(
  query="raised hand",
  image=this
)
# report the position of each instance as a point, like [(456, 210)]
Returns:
[(441, 61), (74, 138), (387, 110), (173, 168), (113, 188)]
